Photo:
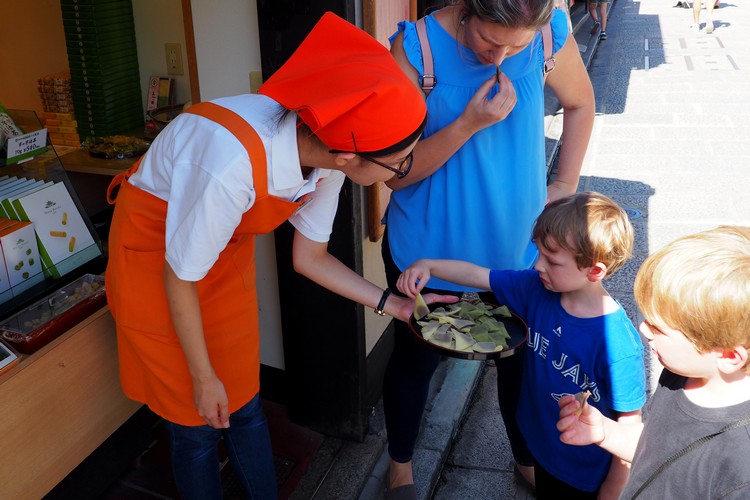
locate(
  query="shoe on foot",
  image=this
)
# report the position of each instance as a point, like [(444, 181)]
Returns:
[(595, 28), (709, 26), (695, 27), (404, 492), (603, 35)]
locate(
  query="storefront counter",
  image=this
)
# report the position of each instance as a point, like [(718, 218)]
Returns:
[(82, 162), (58, 405)]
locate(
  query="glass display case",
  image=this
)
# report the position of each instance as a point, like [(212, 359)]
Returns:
[(46, 238)]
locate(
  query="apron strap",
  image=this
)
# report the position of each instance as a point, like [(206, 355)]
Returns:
[(244, 133), (114, 186)]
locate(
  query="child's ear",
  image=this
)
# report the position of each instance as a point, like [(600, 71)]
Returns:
[(732, 360), (597, 272)]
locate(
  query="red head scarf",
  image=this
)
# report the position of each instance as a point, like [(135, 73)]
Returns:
[(341, 81)]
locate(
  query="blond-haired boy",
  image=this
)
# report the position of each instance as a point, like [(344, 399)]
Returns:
[(695, 298), (580, 339)]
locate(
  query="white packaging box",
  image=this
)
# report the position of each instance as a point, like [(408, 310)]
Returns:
[(60, 229), (21, 255)]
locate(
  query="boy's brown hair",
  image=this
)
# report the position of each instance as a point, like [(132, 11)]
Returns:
[(590, 226), (700, 285)]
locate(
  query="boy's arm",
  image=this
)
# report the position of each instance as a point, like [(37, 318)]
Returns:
[(591, 427), (416, 276), (619, 471)]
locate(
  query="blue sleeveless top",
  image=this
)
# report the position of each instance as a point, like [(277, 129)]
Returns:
[(481, 205)]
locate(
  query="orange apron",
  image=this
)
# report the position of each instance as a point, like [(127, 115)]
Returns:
[(153, 368)]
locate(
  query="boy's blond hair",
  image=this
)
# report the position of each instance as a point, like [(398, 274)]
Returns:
[(590, 226), (700, 285)]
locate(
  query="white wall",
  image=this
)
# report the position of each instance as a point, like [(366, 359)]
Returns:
[(157, 23), (226, 44)]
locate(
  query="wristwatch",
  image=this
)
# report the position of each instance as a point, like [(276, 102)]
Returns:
[(381, 305)]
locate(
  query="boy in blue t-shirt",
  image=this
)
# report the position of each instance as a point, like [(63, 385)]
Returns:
[(580, 339)]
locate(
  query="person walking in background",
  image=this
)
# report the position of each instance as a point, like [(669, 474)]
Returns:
[(181, 272), (710, 5), (580, 338), (600, 19), (694, 295), (479, 170)]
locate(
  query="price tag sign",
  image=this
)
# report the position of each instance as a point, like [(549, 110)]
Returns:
[(25, 146)]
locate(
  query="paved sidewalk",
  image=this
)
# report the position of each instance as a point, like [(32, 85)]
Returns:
[(669, 145)]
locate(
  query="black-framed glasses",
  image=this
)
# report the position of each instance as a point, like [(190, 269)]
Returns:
[(403, 168)]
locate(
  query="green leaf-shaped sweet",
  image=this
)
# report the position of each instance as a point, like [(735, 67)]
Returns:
[(501, 311), (420, 307), (484, 347), (442, 336), (464, 341), (479, 329), (429, 329)]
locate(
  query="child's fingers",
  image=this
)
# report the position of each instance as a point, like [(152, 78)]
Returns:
[(403, 285), (568, 406)]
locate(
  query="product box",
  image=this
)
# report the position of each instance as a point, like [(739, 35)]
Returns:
[(6, 207), (60, 229), (21, 255), (9, 182), (15, 187), (5, 291)]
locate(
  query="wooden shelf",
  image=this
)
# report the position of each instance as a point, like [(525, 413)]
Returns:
[(81, 161), (58, 405)]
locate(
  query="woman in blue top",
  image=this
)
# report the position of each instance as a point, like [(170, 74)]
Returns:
[(479, 170)]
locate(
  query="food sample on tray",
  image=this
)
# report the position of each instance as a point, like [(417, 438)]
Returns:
[(466, 326), (118, 147)]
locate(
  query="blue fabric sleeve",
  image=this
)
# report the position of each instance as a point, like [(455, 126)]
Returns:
[(628, 380), (512, 288), (412, 48), (559, 25)]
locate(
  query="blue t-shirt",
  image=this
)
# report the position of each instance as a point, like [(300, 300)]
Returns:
[(566, 355), (481, 205)]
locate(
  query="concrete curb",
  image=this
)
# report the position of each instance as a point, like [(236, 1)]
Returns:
[(440, 424)]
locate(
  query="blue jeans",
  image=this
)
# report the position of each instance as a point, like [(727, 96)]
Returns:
[(195, 460)]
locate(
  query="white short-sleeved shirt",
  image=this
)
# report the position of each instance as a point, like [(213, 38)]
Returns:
[(204, 174)]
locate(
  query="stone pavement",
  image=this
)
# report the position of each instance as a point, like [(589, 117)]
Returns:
[(670, 146)]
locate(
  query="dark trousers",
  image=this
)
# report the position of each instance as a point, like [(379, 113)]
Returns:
[(407, 381), (549, 487)]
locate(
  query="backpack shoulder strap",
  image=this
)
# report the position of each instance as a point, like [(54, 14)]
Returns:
[(549, 61), (428, 79)]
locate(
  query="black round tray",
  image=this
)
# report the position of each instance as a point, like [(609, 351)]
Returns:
[(515, 326), (105, 149)]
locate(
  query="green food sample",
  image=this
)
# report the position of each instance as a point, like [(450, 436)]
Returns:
[(466, 326)]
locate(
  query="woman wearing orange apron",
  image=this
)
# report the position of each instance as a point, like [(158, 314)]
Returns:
[(181, 272)]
